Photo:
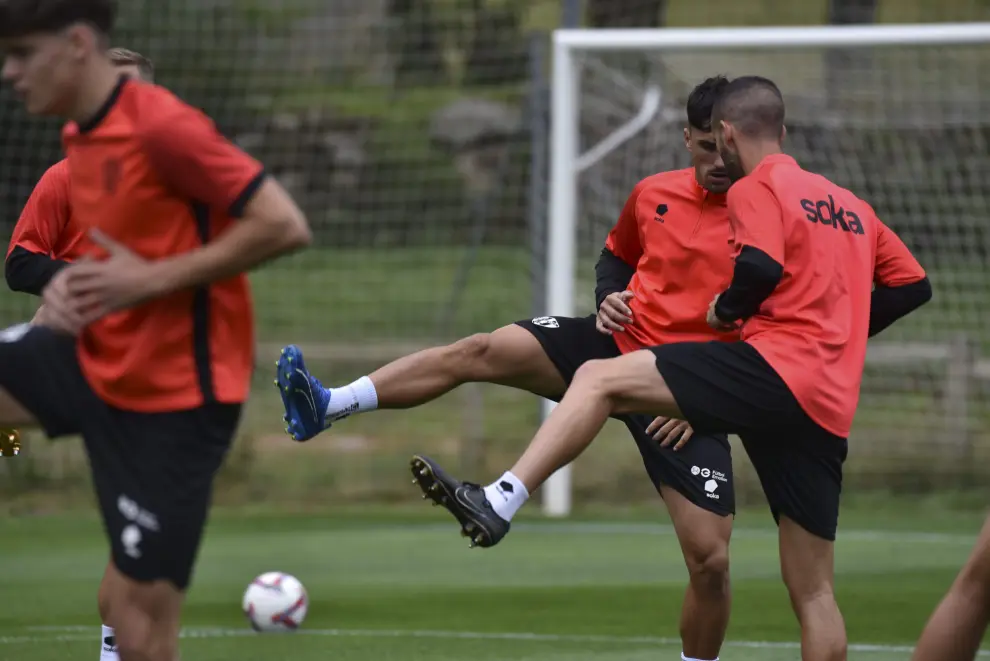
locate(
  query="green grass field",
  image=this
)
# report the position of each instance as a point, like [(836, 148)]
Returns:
[(401, 584)]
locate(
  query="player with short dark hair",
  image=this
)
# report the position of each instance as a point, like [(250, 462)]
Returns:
[(671, 237), (46, 238), (147, 348), (808, 254)]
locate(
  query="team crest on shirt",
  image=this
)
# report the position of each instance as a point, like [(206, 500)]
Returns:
[(111, 175), (546, 322)]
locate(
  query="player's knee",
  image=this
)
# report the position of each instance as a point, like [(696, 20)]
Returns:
[(595, 375), (471, 356), (708, 566)]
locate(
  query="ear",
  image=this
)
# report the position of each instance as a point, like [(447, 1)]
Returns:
[(687, 138), (783, 133), (728, 131)]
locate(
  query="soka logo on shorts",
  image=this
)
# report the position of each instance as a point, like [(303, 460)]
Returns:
[(546, 322)]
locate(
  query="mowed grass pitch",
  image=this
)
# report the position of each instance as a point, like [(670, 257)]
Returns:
[(403, 585)]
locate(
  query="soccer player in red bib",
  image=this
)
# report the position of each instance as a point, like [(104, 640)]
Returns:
[(808, 254), (146, 349), (666, 256), (46, 238)]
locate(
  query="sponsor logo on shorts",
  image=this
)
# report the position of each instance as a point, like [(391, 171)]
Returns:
[(707, 473), (546, 322), (710, 487)]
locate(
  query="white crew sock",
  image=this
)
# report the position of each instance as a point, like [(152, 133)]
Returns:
[(506, 495), (108, 645), (688, 658), (356, 397)]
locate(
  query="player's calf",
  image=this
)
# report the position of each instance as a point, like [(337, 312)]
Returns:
[(145, 616), (509, 356), (807, 565)]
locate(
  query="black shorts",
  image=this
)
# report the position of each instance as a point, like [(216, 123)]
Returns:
[(701, 470), (729, 388), (153, 472)]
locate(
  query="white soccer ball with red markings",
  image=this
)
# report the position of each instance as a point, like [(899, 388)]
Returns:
[(275, 602)]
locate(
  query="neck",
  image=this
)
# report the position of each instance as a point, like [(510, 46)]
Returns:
[(751, 153), (95, 87)]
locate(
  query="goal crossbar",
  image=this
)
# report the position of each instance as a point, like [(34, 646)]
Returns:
[(566, 161)]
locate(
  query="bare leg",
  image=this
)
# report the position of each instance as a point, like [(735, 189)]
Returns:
[(704, 538), (12, 414), (807, 563), (145, 617), (510, 356), (627, 384), (957, 626)]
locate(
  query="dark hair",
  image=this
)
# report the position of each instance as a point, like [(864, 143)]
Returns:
[(754, 104), (19, 18), (123, 57), (701, 101)]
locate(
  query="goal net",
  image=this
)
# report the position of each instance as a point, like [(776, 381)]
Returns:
[(898, 114)]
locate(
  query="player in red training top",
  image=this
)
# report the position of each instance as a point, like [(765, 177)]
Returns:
[(46, 238), (666, 257), (147, 349), (808, 254)]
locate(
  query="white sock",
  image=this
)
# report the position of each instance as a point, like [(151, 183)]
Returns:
[(108, 645), (356, 397), (506, 495), (688, 658)]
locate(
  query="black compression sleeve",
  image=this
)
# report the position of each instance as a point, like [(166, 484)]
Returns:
[(754, 278), (888, 304), (30, 272), (611, 275)]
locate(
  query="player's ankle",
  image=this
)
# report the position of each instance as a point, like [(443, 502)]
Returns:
[(108, 645), (506, 495), (357, 397)]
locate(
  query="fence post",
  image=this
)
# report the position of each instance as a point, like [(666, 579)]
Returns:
[(959, 378)]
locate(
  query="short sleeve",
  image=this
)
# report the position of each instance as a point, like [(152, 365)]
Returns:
[(895, 265), (756, 218), (45, 214), (197, 162), (623, 240)]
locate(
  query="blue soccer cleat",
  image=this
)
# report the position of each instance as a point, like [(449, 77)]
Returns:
[(303, 396)]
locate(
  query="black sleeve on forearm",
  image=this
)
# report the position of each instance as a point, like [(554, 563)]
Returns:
[(611, 275), (754, 278), (30, 272), (888, 304)]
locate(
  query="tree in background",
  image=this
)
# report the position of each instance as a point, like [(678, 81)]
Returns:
[(626, 13)]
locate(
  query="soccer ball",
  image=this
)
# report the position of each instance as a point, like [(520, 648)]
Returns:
[(275, 602)]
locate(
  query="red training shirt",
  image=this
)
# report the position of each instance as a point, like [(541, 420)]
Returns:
[(155, 175), (676, 235), (46, 225), (813, 328)]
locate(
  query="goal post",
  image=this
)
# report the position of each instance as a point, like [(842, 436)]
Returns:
[(571, 47)]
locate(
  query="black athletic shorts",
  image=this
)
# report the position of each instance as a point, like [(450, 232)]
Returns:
[(729, 388), (153, 472), (701, 470)]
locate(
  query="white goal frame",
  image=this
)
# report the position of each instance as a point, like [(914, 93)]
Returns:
[(567, 163)]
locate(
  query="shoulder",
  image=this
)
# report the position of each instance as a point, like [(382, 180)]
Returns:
[(669, 181), (55, 178), (158, 114), (757, 184)]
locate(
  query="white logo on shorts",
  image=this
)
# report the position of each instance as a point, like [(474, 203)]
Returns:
[(695, 470), (546, 322), (706, 473), (14, 333), (710, 487), (131, 538)]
